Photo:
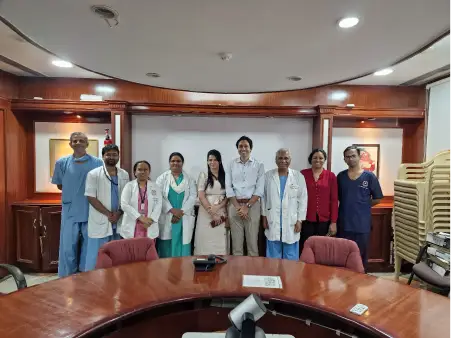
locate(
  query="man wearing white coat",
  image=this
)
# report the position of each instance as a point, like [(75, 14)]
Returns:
[(104, 186), (284, 207)]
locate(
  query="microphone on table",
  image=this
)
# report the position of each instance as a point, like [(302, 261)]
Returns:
[(243, 318)]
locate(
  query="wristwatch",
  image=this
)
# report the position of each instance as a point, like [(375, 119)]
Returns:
[(249, 205)]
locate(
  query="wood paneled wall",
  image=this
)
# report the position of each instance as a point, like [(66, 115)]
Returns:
[(361, 96), (9, 85), (9, 89), (413, 141), (19, 163), (4, 105)]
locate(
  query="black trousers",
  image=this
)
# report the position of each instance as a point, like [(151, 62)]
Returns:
[(362, 241), (312, 229)]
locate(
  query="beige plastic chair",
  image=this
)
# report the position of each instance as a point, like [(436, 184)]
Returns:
[(421, 205)]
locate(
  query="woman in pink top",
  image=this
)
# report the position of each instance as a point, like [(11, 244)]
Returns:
[(141, 227), (141, 201)]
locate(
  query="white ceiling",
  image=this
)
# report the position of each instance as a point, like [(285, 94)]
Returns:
[(435, 57), (14, 48), (270, 40)]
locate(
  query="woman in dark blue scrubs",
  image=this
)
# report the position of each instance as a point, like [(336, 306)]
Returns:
[(358, 191)]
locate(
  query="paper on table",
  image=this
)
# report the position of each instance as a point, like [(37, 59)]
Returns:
[(253, 281)]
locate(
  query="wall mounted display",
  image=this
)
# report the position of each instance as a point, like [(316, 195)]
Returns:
[(60, 148), (369, 157)]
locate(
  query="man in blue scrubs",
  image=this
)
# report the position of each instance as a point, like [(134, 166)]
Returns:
[(358, 191), (70, 177)]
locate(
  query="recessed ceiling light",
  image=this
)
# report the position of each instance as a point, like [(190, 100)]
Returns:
[(294, 78), (383, 72), (62, 64), (153, 75), (348, 22)]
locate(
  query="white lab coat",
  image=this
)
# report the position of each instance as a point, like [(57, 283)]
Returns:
[(294, 205), (98, 185), (164, 181), (129, 203)]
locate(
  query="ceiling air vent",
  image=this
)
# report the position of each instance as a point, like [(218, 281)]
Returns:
[(106, 13)]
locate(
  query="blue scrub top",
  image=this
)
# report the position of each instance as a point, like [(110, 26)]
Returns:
[(283, 182), (114, 196), (72, 176), (354, 213)]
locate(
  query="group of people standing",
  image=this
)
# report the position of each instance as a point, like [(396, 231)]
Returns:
[(101, 204)]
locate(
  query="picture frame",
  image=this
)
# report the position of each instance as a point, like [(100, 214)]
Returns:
[(370, 157), (60, 147)]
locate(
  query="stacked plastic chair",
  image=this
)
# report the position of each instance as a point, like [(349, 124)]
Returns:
[(438, 213), (421, 205)]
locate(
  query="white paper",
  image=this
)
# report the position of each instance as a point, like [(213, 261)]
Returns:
[(270, 282), (440, 270)]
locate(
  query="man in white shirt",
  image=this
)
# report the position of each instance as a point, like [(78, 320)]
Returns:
[(284, 207), (244, 187), (104, 187)]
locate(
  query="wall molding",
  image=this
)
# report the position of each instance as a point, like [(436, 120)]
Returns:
[(232, 110)]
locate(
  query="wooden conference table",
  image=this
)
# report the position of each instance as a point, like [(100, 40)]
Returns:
[(166, 298)]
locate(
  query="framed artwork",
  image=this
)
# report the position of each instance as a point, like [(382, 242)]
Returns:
[(60, 147), (369, 157)]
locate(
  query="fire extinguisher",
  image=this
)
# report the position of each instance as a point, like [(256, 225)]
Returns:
[(108, 139)]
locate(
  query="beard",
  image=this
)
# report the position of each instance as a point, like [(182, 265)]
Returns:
[(111, 163)]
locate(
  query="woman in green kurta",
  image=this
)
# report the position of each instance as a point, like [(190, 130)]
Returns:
[(174, 247)]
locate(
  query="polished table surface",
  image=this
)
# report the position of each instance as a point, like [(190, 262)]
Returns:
[(72, 306)]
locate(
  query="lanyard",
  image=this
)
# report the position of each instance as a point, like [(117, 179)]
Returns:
[(142, 197), (109, 179)]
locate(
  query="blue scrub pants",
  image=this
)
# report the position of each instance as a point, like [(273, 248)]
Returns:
[(70, 235), (94, 245), (361, 239), (278, 249)]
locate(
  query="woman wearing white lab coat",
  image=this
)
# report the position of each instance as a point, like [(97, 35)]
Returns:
[(177, 217), (141, 202), (283, 216)]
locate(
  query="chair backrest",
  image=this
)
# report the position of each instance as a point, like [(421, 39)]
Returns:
[(125, 251), (332, 251), (15, 272)]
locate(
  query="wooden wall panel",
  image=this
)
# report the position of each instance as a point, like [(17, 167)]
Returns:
[(413, 141), (9, 85), (126, 143), (361, 96), (365, 123), (3, 201), (317, 138), (17, 172)]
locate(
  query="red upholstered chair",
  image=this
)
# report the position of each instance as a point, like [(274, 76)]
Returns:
[(332, 251), (125, 251)]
